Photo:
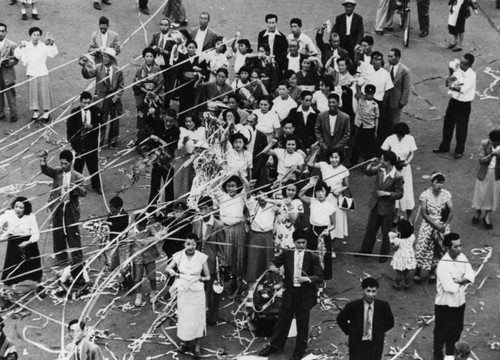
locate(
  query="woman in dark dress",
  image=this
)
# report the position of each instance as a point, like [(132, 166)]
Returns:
[(22, 260)]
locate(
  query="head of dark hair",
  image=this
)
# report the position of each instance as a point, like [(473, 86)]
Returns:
[(368, 39), (288, 74), (405, 229), (116, 202), (299, 234), (265, 47), (494, 135), (390, 156), (27, 205), (235, 179), (271, 16), (290, 138), (195, 120), (369, 282), (66, 155), (245, 42), (376, 54), (329, 82), (103, 20), (265, 98), (470, 58), (401, 128), (85, 95), (244, 69), (288, 120), (238, 136), (333, 96), (192, 236), (34, 29), (448, 238), (221, 39), (287, 184), (305, 93), (192, 42), (334, 150), (205, 201), (284, 83), (149, 50), (205, 13), (171, 113), (397, 52), (237, 117), (222, 70), (321, 185), (296, 21), (76, 321), (3, 25), (440, 178)]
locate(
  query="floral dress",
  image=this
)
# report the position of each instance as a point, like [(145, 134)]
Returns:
[(404, 256), (284, 227), (426, 253)]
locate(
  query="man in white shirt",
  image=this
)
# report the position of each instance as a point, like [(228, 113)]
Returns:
[(462, 85), (104, 38), (306, 45), (283, 103), (453, 273)]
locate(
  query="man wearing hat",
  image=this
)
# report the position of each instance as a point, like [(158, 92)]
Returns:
[(462, 350), (350, 27), (7, 349), (108, 92)]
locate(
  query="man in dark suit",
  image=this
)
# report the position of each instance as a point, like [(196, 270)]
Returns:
[(349, 36), (211, 233), (64, 200), (278, 44), (304, 119), (203, 35), (333, 127), (366, 321), (257, 142), (302, 271), (400, 76), (82, 132), (388, 188), (162, 43)]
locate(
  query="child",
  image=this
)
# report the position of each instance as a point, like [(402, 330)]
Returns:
[(366, 123), (145, 253), (34, 12), (218, 58), (118, 219), (242, 51), (404, 256), (283, 103)]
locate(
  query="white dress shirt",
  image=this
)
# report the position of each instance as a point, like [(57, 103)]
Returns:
[(348, 22), (298, 261), (450, 293), (271, 35), (200, 40), (104, 39), (368, 321), (468, 87), (204, 226), (282, 107), (382, 81), (391, 173), (333, 121), (293, 63), (86, 119)]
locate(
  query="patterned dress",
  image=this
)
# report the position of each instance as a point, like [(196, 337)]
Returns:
[(284, 227), (426, 253), (404, 256)]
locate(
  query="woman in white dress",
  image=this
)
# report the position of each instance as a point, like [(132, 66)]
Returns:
[(192, 272), (404, 146)]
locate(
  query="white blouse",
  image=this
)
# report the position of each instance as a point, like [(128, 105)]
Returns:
[(197, 138), (35, 57), (11, 224)]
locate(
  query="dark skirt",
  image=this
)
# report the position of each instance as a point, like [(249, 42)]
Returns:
[(463, 14), (21, 264), (260, 253)]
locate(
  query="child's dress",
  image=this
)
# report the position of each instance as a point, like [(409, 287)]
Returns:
[(404, 256)]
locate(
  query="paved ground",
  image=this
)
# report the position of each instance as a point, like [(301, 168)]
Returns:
[(71, 22)]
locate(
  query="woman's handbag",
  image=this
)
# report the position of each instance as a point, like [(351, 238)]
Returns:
[(346, 202)]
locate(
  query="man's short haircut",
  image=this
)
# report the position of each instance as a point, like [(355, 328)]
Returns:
[(205, 13), (390, 156), (296, 21), (284, 83), (397, 52), (76, 321), (149, 50), (165, 19), (377, 53), (448, 238), (470, 58), (271, 16), (370, 282), (205, 201), (171, 113), (288, 120), (299, 234), (3, 25), (85, 95), (116, 202), (305, 93), (103, 20), (192, 236), (368, 39), (334, 96), (66, 155), (288, 74)]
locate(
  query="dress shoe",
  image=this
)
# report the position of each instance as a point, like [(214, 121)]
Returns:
[(35, 16), (379, 32), (106, 2), (268, 350), (97, 6), (98, 191), (297, 355), (475, 220), (12, 2), (144, 11), (382, 259), (24, 17), (13, 119), (488, 226), (458, 156), (390, 29), (439, 151), (423, 34)]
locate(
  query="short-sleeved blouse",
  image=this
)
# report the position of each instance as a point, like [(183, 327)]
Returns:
[(11, 224)]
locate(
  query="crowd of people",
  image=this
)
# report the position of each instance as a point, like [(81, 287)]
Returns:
[(252, 152)]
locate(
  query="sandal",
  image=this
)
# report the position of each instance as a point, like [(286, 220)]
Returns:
[(417, 279)]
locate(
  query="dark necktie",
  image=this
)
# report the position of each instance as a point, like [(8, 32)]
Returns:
[(392, 73)]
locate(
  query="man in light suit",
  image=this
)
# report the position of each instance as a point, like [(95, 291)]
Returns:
[(333, 128), (80, 347), (204, 37), (64, 200), (211, 233), (366, 321), (400, 76), (349, 37), (82, 130), (7, 75), (102, 39), (278, 44), (388, 188), (108, 89), (303, 271)]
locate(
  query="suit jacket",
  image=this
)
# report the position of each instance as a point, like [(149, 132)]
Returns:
[(351, 321), (7, 72), (385, 205), (304, 131), (259, 159), (279, 50), (341, 133), (104, 87), (357, 29), (112, 42), (169, 44), (401, 91), (211, 243), (311, 267), (210, 38), (81, 140), (327, 51), (88, 351), (78, 191)]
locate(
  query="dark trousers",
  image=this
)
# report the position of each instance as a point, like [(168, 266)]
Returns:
[(159, 174), (168, 85), (364, 143), (92, 161), (143, 4), (375, 221), (110, 110), (150, 269), (423, 14), (285, 317), (457, 116), (312, 244), (384, 125), (365, 350), (213, 301), (10, 94), (448, 327), (66, 236)]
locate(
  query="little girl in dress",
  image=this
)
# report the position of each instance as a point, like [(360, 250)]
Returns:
[(403, 259)]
